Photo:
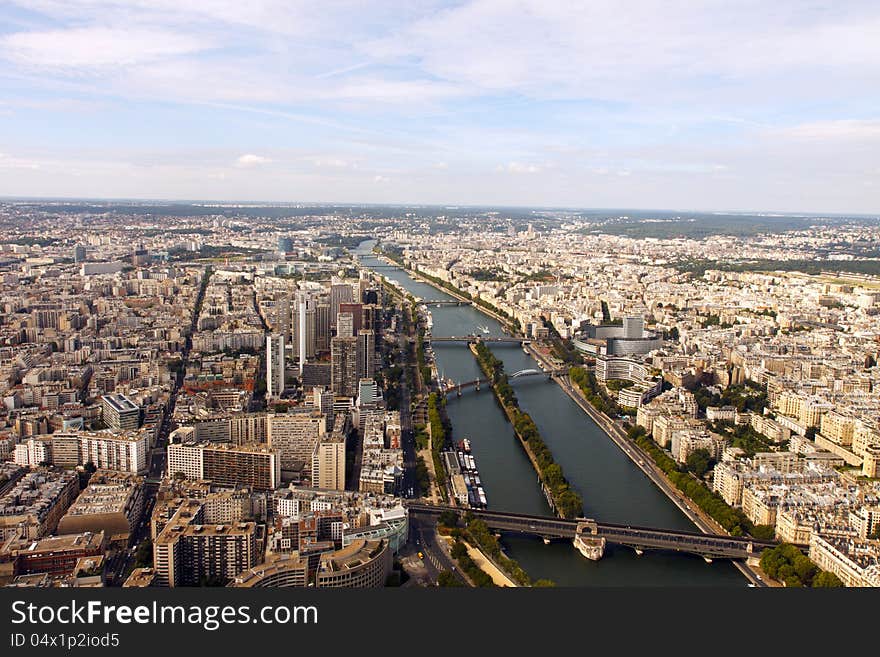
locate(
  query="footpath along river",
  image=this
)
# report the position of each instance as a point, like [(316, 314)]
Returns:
[(614, 489)]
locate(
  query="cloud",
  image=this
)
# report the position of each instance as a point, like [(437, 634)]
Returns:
[(249, 161), (836, 129), (7, 162), (96, 49), (381, 179), (519, 167)]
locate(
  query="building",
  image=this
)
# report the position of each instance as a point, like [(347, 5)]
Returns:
[(79, 254), (112, 503), (55, 555), (189, 553), (363, 564), (856, 562), (106, 450), (274, 365), (32, 507), (339, 293), (256, 466), (294, 436), (120, 413), (344, 363), (366, 354), (328, 462), (345, 325)]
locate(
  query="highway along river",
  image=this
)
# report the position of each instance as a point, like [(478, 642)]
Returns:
[(613, 488)]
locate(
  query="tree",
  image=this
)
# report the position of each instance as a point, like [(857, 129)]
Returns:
[(448, 518), (699, 462), (143, 557), (826, 580), (446, 578)]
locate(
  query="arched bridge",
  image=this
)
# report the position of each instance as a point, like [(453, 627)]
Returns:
[(476, 383), (709, 546), (477, 338), (444, 302)]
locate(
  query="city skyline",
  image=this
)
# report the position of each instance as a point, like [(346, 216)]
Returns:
[(475, 103)]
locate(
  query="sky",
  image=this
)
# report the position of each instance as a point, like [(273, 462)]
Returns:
[(699, 104)]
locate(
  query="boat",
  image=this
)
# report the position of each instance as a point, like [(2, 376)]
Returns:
[(484, 329)]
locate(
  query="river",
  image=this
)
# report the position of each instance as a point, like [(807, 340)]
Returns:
[(613, 488)]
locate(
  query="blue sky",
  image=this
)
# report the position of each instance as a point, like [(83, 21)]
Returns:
[(691, 105)]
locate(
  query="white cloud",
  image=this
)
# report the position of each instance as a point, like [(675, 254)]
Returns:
[(95, 49), (334, 163), (834, 130), (249, 161), (381, 179), (520, 167)]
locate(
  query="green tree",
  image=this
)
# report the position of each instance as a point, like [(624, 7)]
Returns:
[(826, 580), (699, 462), (446, 578)]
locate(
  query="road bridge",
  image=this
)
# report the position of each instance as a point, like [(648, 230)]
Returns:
[(476, 338), (708, 546), (477, 383), (444, 302)]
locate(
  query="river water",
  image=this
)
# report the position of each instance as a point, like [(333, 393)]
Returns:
[(613, 488)]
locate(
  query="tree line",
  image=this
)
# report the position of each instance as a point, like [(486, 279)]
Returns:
[(568, 502)]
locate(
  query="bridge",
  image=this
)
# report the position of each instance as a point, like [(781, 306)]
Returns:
[(708, 546), (476, 383), (476, 338), (444, 302)]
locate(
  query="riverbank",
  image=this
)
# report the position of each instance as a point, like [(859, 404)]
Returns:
[(645, 463), (556, 488), (452, 291), (593, 459)]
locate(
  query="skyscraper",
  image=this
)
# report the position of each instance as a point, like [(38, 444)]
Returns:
[(79, 253), (339, 293), (366, 353), (274, 365), (344, 366), (304, 329), (345, 325), (357, 315), (322, 327)]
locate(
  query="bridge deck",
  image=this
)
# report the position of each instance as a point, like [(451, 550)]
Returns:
[(709, 545)]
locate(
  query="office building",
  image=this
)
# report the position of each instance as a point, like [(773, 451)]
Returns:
[(339, 293), (345, 325), (190, 552), (120, 413), (257, 466), (328, 462), (366, 353), (294, 436), (357, 315), (344, 366), (274, 365)]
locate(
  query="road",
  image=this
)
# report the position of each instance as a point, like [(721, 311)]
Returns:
[(646, 464), (122, 561), (437, 558)]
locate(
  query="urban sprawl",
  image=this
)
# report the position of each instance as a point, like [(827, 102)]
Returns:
[(225, 395)]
